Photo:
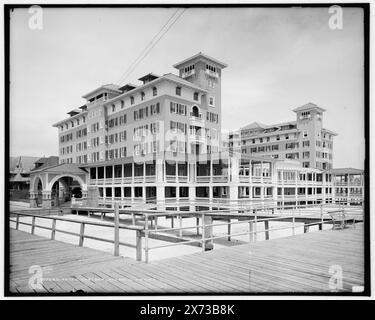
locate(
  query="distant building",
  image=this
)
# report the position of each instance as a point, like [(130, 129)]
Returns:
[(304, 140), (19, 172)]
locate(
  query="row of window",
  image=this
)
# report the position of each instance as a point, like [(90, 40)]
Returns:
[(66, 137), (79, 133), (212, 117), (73, 123), (178, 108), (144, 131), (324, 155), (143, 148), (115, 137), (115, 153)]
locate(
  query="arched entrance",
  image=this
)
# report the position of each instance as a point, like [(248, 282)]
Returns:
[(57, 186), (63, 190)]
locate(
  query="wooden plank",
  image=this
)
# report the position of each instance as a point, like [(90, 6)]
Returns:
[(294, 264)]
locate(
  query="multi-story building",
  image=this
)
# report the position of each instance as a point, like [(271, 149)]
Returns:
[(118, 122), (159, 141), (304, 139)]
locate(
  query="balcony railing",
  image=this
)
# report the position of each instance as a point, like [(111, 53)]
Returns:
[(117, 180), (221, 178), (182, 179), (196, 137), (202, 179), (138, 179), (244, 178), (150, 178), (170, 178)]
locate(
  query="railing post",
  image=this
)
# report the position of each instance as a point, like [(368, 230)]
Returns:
[(180, 231), (266, 228), (251, 231), (305, 228), (116, 230), (33, 225), (294, 224), (203, 233), (229, 229), (197, 223), (81, 234), (255, 227), (146, 238), (53, 231), (17, 221), (138, 245)]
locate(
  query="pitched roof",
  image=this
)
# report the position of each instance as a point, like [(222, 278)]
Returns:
[(71, 168), (200, 56), (346, 171), (46, 162), (308, 106), (254, 125)]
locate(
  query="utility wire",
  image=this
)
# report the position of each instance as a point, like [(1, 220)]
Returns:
[(151, 45), (138, 57)]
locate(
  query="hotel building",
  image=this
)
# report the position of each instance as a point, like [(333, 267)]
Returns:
[(304, 140), (158, 142)]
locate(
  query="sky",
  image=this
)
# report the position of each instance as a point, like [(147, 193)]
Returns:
[(278, 59)]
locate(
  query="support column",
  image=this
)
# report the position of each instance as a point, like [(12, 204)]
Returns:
[(160, 197), (191, 198), (33, 200), (208, 232), (132, 193), (47, 201)]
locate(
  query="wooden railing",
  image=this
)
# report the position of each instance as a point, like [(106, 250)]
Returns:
[(81, 235), (252, 217)]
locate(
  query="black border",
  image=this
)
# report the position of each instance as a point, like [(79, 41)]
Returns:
[(366, 21)]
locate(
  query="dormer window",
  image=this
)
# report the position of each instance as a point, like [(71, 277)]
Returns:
[(131, 100), (122, 104), (77, 122), (113, 108), (72, 124), (142, 96), (178, 91), (83, 119), (196, 96), (154, 91)]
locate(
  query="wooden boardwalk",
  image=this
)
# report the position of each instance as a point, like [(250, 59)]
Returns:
[(302, 263)]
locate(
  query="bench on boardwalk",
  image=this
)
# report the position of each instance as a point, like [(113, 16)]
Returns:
[(340, 219)]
